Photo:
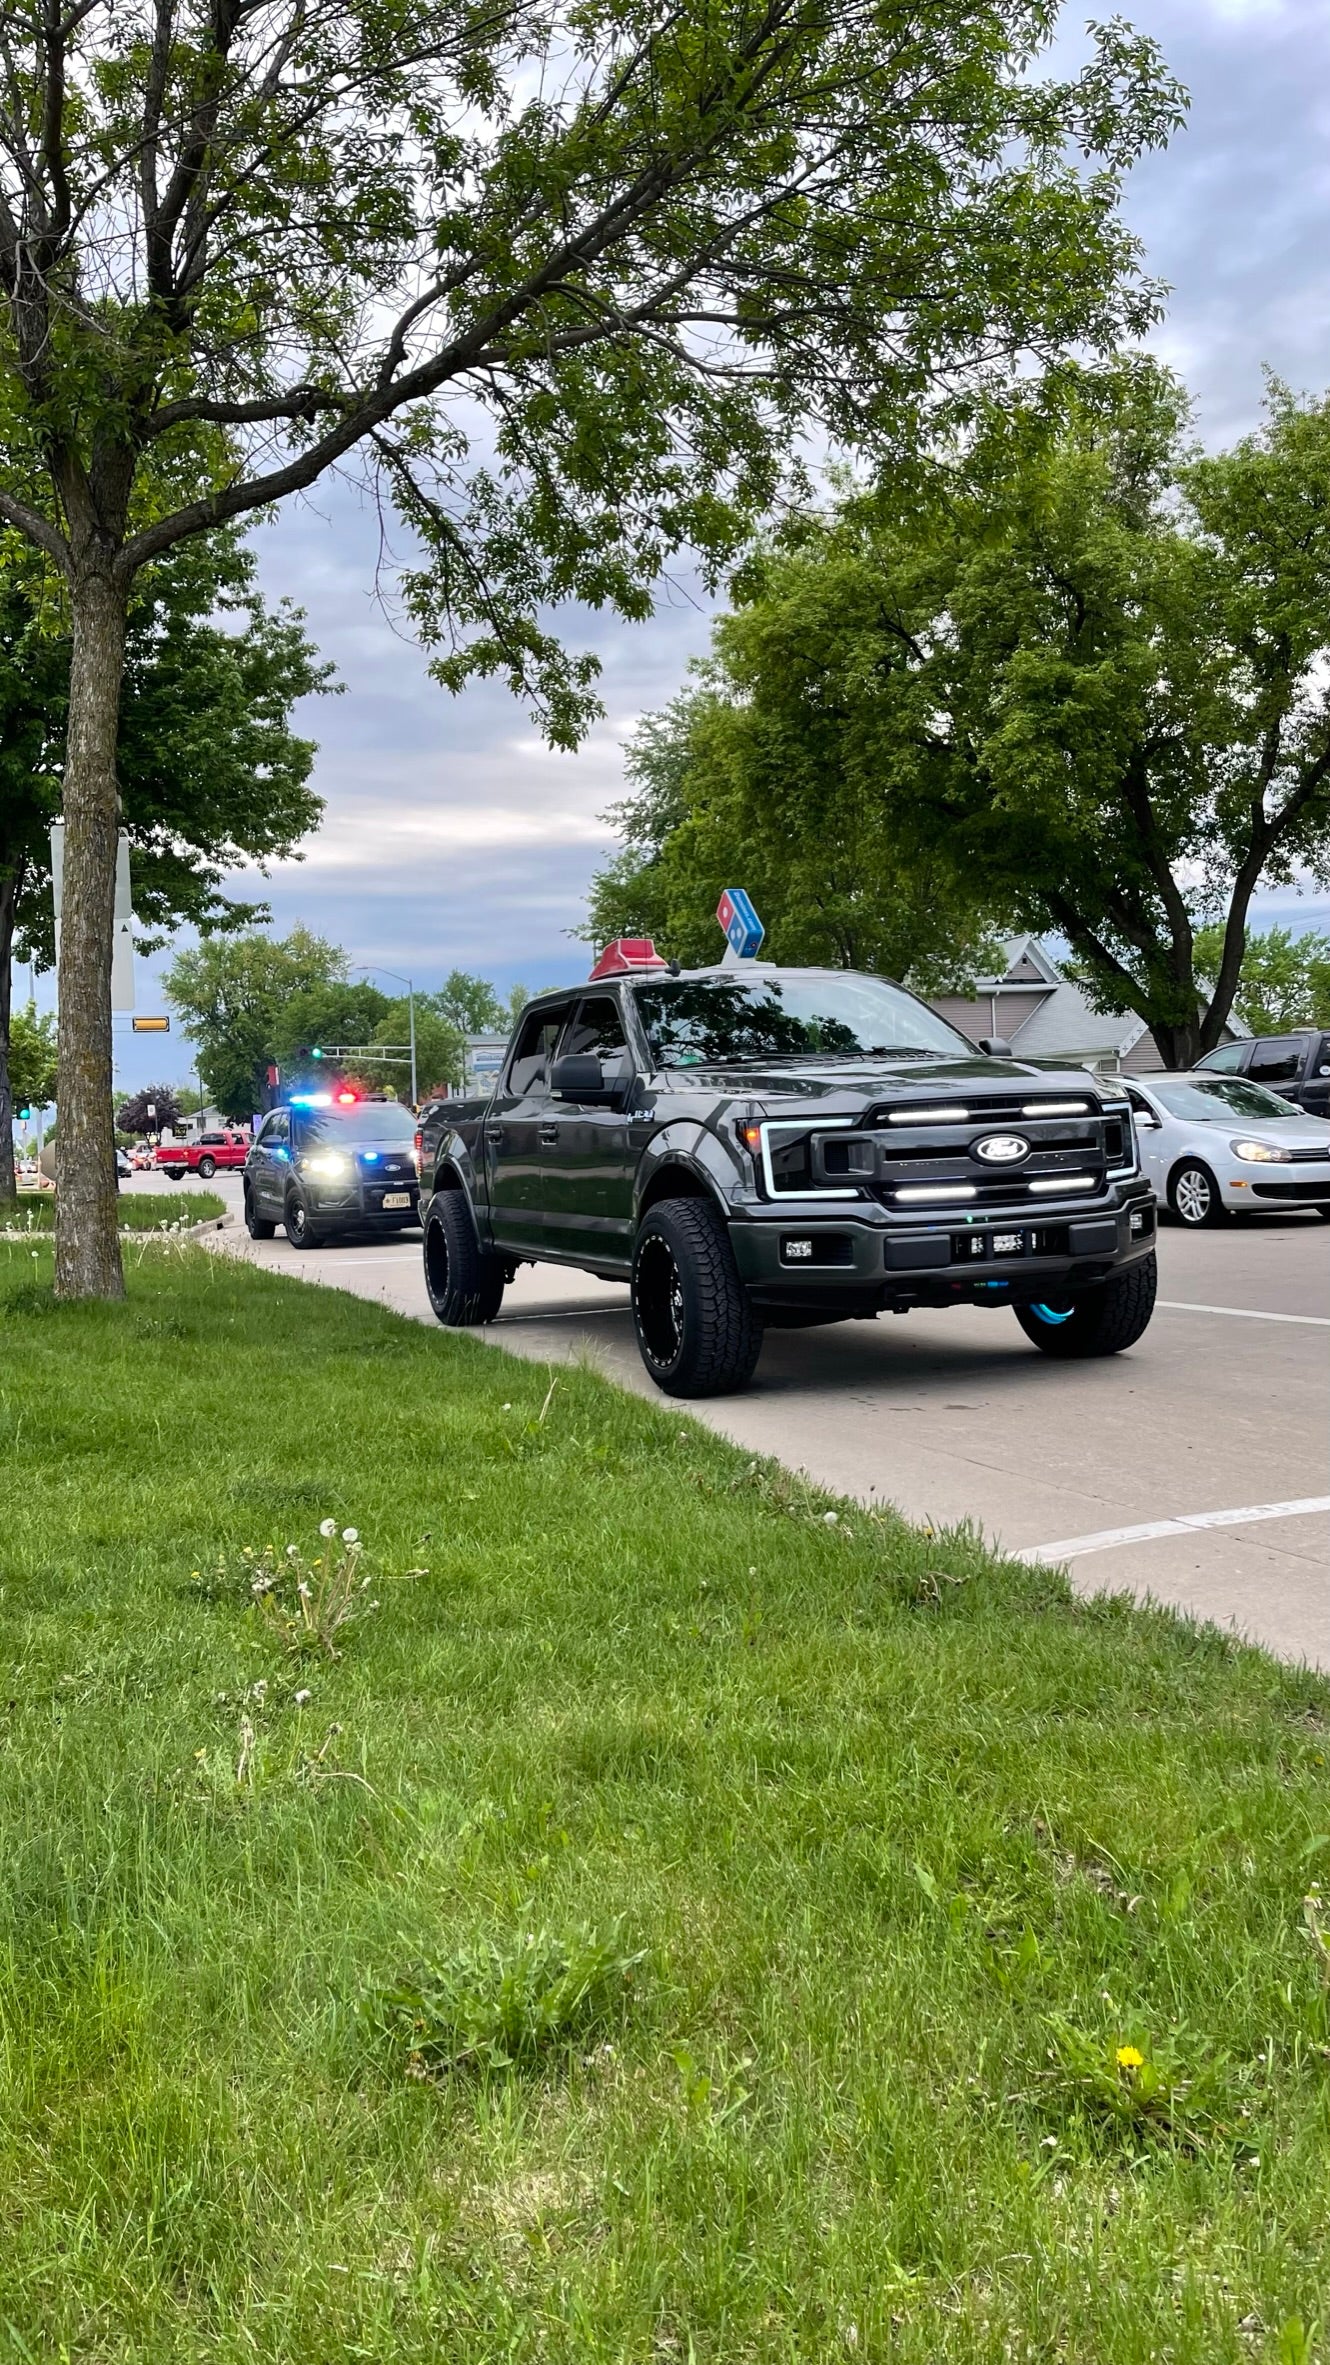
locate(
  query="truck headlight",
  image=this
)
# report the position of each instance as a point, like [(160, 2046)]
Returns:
[(330, 1166), (1260, 1153)]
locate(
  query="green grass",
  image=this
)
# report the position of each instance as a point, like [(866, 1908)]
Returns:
[(675, 1926), (146, 1211)]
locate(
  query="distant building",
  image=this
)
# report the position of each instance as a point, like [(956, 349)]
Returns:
[(1046, 1016)]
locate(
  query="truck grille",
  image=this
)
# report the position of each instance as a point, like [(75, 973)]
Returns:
[(920, 1160)]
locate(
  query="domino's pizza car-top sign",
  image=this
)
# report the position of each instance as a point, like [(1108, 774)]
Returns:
[(740, 923)]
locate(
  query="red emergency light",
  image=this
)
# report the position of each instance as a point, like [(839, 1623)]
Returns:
[(347, 1099), (628, 953)]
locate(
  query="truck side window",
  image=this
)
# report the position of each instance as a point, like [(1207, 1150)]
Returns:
[(598, 1028), (529, 1066), (1224, 1062), (277, 1129), (1277, 1062)]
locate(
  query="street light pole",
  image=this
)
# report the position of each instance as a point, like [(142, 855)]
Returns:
[(380, 971)]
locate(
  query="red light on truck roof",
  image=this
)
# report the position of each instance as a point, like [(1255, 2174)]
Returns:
[(628, 953), (347, 1100)]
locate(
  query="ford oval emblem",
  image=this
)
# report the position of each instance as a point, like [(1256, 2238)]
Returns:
[(1002, 1149)]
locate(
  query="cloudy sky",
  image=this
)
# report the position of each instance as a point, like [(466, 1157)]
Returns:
[(453, 837)]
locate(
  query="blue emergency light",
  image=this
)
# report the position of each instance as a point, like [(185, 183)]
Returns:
[(740, 923), (311, 1100)]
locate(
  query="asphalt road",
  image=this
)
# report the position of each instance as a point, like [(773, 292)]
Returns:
[(1210, 1435)]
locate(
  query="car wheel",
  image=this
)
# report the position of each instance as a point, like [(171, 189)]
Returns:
[(1099, 1321), (174, 1173), (1193, 1195), (464, 1281), (301, 1230), (259, 1227), (697, 1329), (207, 1167)]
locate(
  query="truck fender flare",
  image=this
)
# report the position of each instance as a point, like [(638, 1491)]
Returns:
[(685, 1160), (453, 1170)]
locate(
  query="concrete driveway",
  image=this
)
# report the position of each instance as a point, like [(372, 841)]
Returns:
[(1192, 1469)]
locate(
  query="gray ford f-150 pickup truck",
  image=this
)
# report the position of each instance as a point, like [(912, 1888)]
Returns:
[(756, 1146)]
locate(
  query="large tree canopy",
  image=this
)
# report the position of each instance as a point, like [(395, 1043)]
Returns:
[(1086, 679), (570, 283)]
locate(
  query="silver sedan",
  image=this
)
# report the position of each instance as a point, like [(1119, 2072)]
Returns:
[(1213, 1145)]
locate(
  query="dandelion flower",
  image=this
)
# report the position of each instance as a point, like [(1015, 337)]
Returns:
[(350, 1535), (1129, 2058), (293, 1552), (830, 1518), (327, 1527), (302, 1697)]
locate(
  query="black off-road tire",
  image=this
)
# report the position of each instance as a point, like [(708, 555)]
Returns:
[(464, 1281), (175, 1173), (1194, 1196), (697, 1330), (300, 1228), (259, 1227), (1099, 1321), (207, 1167)]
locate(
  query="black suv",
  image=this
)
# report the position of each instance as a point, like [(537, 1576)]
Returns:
[(320, 1168), (1297, 1066), (753, 1146)]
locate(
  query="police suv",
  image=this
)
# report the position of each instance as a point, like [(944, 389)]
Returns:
[(754, 1146)]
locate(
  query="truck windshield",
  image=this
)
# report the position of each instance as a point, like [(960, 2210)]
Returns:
[(700, 1021), (369, 1120)]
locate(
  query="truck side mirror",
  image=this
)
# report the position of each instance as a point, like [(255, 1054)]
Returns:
[(996, 1047), (579, 1076)]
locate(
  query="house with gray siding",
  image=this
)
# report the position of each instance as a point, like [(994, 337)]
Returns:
[(1044, 1015)]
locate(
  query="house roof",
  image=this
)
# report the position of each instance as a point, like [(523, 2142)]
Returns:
[(1061, 1018)]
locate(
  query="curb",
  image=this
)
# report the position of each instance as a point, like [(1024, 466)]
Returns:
[(210, 1224)]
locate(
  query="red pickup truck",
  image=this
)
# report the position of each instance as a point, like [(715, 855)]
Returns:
[(204, 1156)]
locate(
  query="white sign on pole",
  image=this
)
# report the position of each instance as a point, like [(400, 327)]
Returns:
[(122, 947)]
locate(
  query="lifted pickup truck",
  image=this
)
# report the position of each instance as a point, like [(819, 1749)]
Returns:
[(752, 1147), (204, 1156)]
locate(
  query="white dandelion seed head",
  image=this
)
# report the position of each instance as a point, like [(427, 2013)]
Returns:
[(302, 1697), (350, 1535), (293, 1552), (327, 1527), (830, 1518)]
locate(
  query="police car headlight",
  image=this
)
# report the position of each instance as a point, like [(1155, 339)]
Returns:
[(330, 1166), (1260, 1153)]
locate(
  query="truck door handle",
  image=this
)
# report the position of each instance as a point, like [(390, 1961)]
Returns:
[(549, 1137), (494, 1133)]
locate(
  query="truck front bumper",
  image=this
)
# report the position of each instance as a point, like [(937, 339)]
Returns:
[(856, 1265)]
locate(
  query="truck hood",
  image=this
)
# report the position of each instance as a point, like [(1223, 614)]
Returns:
[(933, 1078)]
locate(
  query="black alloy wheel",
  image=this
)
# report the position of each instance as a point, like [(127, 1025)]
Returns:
[(301, 1230), (1102, 1320), (259, 1227), (464, 1281), (697, 1330)]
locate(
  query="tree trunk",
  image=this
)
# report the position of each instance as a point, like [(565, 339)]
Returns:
[(87, 1248), (8, 900), (1179, 1046)]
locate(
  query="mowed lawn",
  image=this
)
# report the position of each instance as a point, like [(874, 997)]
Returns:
[(680, 1924)]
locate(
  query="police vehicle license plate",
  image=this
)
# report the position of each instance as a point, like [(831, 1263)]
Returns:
[(397, 1198), (1008, 1243)]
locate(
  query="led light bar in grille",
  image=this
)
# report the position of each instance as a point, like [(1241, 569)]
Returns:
[(1056, 1108), (1067, 1182), (928, 1116), (914, 1194)]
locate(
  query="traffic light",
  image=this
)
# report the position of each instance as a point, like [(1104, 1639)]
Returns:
[(23, 1115), (316, 1051)]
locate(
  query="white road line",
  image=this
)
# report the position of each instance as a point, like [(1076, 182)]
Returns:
[(1076, 1547), (1178, 1305)]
